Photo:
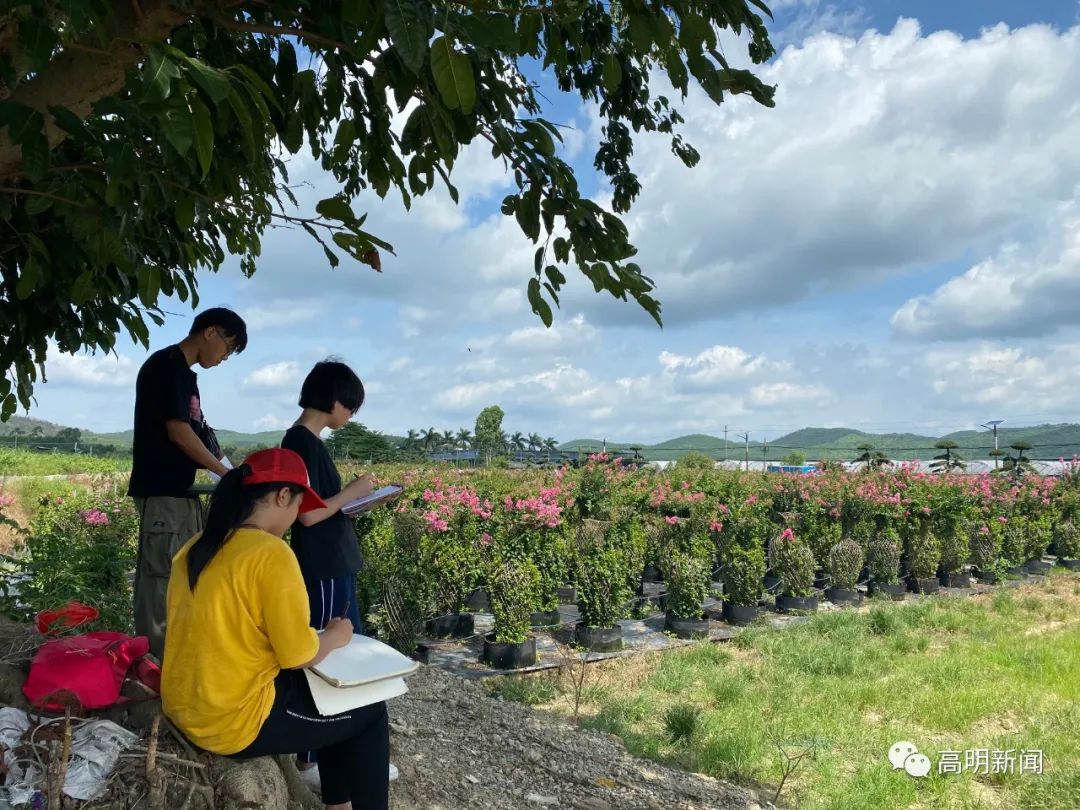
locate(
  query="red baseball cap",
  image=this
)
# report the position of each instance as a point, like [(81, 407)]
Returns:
[(280, 466)]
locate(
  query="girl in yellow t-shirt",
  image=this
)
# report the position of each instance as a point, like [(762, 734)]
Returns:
[(239, 636)]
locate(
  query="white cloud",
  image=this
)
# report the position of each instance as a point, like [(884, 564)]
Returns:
[(282, 312), (274, 376), (788, 394), (714, 365), (90, 370), (884, 152), (1021, 291), (271, 422)]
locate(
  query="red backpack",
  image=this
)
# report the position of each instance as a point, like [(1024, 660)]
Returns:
[(87, 670)]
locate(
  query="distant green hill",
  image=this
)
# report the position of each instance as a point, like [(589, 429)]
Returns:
[(1048, 442), (227, 438)]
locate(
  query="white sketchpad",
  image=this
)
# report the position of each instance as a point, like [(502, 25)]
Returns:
[(363, 660), (371, 501), (330, 700)]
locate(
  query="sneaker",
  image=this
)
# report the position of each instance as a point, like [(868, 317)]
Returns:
[(312, 780), (393, 772)]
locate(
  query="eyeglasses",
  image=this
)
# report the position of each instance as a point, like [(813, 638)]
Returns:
[(229, 347)]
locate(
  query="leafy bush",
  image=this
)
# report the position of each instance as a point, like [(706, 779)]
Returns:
[(682, 721), (1067, 540), (743, 570), (883, 557), (845, 564), (511, 587), (1040, 532), (603, 571), (80, 546), (955, 549), (985, 545), (694, 461), (924, 554), (688, 578), (794, 563), (1013, 545)]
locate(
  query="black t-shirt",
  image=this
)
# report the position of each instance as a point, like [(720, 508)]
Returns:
[(166, 389), (328, 549)]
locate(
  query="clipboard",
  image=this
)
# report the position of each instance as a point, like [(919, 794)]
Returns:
[(376, 498), (364, 660)]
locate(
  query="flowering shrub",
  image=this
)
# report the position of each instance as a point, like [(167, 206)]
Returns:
[(883, 557), (604, 564), (511, 586), (845, 564), (793, 561), (984, 541), (78, 546), (924, 554), (743, 569), (534, 530)]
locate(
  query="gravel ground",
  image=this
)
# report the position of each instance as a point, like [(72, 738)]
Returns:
[(458, 747)]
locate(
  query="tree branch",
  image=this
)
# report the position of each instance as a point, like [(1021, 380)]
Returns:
[(277, 30)]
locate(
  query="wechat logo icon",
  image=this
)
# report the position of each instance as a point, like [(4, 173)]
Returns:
[(906, 757)]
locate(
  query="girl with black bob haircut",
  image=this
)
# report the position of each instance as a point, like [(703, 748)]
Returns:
[(239, 637), (324, 540)]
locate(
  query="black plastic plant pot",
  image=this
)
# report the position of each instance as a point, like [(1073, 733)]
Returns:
[(896, 591), (599, 639), (545, 618), (1072, 565), (771, 582), (686, 628), (796, 604), (821, 580), (651, 588), (1038, 567), (509, 656), (843, 596), (740, 614), (1017, 571), (478, 601), (925, 586), (567, 595), (453, 625), (986, 577), (955, 579)]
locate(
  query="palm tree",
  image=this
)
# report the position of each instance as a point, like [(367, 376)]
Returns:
[(412, 439), (464, 438), (448, 441), (947, 460), (535, 441), (431, 438), (17, 432), (873, 459), (517, 441)]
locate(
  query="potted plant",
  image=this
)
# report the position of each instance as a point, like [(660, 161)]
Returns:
[(450, 568), (744, 570), (602, 576), (688, 580), (794, 563), (533, 529), (1067, 541), (884, 563), (1040, 533), (512, 587), (1013, 552), (955, 552), (985, 542), (845, 563), (924, 554)]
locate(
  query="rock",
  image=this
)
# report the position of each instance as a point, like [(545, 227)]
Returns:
[(538, 798), (249, 783), (534, 756), (593, 803)]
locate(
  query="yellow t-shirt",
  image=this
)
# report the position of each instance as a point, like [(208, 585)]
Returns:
[(226, 642)]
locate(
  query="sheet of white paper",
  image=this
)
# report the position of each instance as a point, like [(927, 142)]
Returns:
[(332, 700), (226, 463), (364, 660), (359, 504)]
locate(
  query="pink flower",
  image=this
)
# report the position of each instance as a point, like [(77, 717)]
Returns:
[(94, 517), (671, 520), (787, 534), (716, 526), (485, 539), (7, 500)]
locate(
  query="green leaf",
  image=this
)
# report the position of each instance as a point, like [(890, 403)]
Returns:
[(83, 288), (160, 72), (537, 302), (528, 212), (24, 123), (215, 83), (453, 73), (331, 256), (185, 213), (204, 134), (612, 74), (529, 28), (335, 208), (293, 136), (641, 34), (29, 278), (179, 130), (149, 284), (410, 26), (38, 41)]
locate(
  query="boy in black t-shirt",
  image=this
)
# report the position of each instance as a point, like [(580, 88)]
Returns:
[(171, 442)]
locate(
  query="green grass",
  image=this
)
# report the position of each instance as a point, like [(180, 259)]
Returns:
[(998, 672), (20, 462)]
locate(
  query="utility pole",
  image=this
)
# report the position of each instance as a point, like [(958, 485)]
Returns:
[(993, 425), (746, 454), (725, 442), (765, 452)]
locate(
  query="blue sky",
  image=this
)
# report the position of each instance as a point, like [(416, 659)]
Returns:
[(895, 246)]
